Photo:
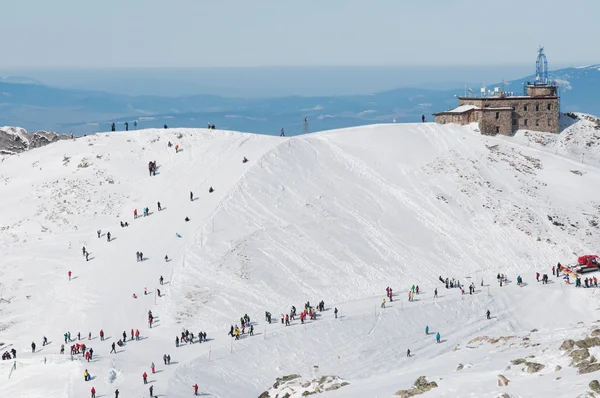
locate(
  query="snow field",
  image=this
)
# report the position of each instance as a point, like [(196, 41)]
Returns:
[(336, 216)]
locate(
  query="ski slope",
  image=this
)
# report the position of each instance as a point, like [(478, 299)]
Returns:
[(335, 216)]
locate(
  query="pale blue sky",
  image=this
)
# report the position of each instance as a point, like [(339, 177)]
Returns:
[(197, 33)]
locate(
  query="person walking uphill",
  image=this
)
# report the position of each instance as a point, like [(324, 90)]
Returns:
[(93, 391), (195, 387), (438, 337), (191, 196), (488, 314)]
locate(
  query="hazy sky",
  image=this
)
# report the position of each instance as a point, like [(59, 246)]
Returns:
[(193, 33)]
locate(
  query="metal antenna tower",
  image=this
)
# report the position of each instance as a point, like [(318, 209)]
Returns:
[(541, 68), (306, 126)]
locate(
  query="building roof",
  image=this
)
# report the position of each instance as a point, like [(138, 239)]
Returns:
[(510, 98), (468, 108), (462, 109)]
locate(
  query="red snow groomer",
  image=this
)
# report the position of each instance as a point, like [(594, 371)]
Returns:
[(589, 262)]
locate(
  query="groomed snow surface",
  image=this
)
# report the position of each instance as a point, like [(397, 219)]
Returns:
[(335, 216)]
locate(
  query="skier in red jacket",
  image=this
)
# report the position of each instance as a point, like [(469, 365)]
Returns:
[(145, 377), (93, 391), (195, 387)]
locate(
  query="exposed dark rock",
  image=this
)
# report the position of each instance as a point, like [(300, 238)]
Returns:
[(579, 355), (421, 386), (588, 342), (567, 345), (283, 379), (587, 367), (533, 367)]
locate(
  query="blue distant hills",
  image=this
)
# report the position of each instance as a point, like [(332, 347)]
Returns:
[(29, 104)]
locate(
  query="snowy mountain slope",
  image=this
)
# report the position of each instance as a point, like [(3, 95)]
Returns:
[(579, 138), (336, 216)]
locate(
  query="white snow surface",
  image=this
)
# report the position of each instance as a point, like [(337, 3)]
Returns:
[(335, 216)]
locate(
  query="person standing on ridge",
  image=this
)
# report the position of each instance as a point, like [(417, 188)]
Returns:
[(135, 125), (126, 126), (282, 133), (423, 118)]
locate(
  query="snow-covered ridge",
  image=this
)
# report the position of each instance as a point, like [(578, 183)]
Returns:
[(16, 139)]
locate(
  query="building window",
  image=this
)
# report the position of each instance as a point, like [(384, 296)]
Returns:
[(514, 122), (524, 108), (549, 107), (497, 130), (537, 107), (525, 122), (537, 122), (497, 115)]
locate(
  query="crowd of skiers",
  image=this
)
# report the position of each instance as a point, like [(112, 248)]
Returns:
[(450, 283), (188, 337)]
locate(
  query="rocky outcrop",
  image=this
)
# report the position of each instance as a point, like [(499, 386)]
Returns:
[(284, 379), (567, 345), (16, 140), (297, 386), (421, 386), (579, 355), (588, 342), (533, 367), (594, 386), (587, 367)]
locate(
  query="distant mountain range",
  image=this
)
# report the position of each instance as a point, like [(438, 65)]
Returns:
[(27, 103)]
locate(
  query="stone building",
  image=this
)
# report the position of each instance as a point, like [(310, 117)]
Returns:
[(504, 113)]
